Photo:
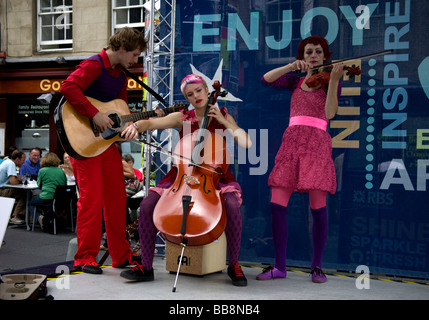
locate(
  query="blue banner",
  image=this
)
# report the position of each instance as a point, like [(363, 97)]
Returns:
[(379, 216)]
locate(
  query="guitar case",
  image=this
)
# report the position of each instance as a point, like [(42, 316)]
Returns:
[(24, 287)]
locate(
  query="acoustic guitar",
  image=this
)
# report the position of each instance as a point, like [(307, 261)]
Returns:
[(81, 138)]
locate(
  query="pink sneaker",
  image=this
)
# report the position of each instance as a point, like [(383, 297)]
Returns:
[(271, 272)]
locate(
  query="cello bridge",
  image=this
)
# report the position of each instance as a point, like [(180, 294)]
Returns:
[(191, 181)]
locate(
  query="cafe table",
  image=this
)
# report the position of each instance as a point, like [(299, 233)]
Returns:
[(29, 187)]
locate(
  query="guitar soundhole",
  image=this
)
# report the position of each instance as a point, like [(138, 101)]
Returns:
[(116, 120)]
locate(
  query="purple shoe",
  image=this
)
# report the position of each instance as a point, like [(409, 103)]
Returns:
[(317, 275), (271, 272)]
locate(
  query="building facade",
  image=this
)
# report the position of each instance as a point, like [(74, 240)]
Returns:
[(42, 41)]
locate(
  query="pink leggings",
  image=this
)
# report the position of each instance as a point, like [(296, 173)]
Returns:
[(281, 197)]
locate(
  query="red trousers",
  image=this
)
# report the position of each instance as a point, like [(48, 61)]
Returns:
[(101, 190)]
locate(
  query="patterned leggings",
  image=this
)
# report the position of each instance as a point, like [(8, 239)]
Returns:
[(148, 231)]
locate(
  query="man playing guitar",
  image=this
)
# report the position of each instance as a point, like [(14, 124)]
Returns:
[(100, 178)]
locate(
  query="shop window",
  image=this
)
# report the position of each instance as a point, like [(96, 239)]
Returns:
[(275, 27), (31, 125), (127, 13), (54, 25)]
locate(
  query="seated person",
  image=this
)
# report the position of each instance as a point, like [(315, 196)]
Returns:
[(132, 186), (195, 90), (50, 176), (68, 169), (8, 175), (130, 160), (31, 166)]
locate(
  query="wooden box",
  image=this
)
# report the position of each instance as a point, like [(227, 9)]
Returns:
[(197, 260)]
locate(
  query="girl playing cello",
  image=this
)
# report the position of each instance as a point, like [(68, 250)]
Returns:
[(195, 90)]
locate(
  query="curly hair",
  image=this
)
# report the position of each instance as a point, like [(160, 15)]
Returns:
[(128, 38), (314, 40)]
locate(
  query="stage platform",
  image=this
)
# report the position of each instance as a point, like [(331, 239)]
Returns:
[(216, 287), (37, 252)]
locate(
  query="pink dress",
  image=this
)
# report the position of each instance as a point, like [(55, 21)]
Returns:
[(304, 160)]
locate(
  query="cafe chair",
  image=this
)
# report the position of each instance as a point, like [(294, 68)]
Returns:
[(64, 199)]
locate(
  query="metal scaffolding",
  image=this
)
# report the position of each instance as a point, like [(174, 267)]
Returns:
[(160, 77)]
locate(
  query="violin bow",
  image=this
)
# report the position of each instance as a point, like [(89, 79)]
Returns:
[(366, 56), (348, 59)]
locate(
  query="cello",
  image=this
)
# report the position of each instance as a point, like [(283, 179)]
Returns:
[(191, 212)]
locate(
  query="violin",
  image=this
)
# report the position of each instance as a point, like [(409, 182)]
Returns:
[(322, 74), (191, 211)]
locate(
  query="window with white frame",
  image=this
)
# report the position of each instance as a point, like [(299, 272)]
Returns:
[(275, 27), (54, 25), (127, 13)]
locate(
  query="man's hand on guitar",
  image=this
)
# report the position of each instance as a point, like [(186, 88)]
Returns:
[(102, 121)]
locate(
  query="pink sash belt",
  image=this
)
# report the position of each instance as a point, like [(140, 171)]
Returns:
[(308, 121)]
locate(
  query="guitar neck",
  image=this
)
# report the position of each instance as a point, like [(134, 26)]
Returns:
[(133, 117)]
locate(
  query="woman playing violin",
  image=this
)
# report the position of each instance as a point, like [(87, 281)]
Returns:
[(304, 161), (195, 90)]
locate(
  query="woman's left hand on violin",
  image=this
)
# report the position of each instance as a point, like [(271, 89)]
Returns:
[(337, 71)]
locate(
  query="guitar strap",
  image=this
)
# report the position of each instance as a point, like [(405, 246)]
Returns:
[(149, 89)]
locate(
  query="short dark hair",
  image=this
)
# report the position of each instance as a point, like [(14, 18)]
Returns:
[(127, 157), (38, 149), (16, 154), (314, 40)]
